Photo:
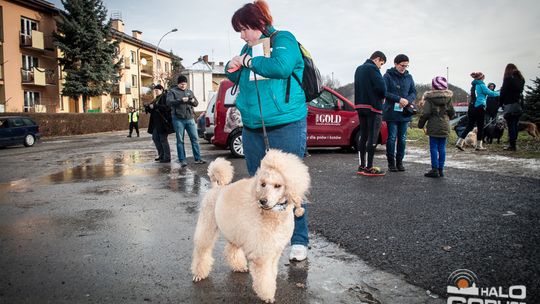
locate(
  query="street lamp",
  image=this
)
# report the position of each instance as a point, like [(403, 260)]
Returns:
[(157, 49)]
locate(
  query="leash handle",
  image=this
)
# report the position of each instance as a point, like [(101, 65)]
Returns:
[(265, 135)]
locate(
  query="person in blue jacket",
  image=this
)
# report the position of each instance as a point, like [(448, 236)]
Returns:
[(477, 113), (284, 119), (400, 92)]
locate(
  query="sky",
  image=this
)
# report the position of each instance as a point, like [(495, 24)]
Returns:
[(441, 38)]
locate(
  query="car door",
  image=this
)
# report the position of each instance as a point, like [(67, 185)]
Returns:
[(5, 132), (329, 124), (18, 129)]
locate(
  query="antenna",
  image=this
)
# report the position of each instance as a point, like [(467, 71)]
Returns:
[(116, 15)]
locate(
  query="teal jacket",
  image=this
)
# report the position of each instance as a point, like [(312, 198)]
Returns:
[(482, 92), (285, 59)]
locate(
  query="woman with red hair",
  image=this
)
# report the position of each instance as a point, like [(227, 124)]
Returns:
[(282, 99)]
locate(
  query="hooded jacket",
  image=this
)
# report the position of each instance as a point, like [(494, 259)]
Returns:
[(482, 92), (284, 60), (511, 90), (438, 110), (369, 87), (397, 86)]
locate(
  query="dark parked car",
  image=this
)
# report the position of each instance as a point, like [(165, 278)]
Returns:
[(17, 130)]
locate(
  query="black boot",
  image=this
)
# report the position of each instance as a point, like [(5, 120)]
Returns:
[(432, 173), (399, 165), (441, 173), (391, 164)]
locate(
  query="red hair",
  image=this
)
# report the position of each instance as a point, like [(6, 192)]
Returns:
[(254, 16)]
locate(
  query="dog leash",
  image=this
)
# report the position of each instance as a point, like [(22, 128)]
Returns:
[(265, 135)]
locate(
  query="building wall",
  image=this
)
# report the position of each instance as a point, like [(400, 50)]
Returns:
[(12, 91), (200, 82)]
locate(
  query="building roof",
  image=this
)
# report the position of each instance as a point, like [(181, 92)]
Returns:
[(40, 5), (201, 66)]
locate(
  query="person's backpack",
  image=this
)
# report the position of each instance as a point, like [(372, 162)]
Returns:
[(311, 82)]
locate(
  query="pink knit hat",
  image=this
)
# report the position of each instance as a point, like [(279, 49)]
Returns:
[(439, 83)]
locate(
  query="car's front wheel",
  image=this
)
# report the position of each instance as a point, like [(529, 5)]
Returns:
[(235, 144), (29, 140)]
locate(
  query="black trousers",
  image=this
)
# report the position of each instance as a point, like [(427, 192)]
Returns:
[(162, 144), (475, 118), (134, 125), (370, 126)]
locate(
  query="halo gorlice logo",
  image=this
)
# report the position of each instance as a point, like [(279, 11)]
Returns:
[(462, 289)]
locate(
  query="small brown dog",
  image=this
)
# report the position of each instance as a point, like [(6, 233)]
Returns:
[(530, 127), (471, 138)]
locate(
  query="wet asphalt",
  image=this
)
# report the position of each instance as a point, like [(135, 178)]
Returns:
[(92, 219)]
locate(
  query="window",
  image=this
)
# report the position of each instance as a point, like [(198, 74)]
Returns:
[(325, 101), (27, 26), (30, 100), (134, 80), (28, 62), (3, 123), (17, 122), (158, 65), (166, 67), (133, 57), (116, 103), (28, 122)]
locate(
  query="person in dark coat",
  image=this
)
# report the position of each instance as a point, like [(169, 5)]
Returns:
[(400, 92), (160, 124), (511, 90), (492, 105), (369, 93)]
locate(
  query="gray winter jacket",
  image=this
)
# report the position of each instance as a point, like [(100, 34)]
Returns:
[(437, 111), (182, 109)]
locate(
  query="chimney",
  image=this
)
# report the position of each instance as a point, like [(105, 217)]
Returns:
[(136, 34), (205, 58), (118, 25)]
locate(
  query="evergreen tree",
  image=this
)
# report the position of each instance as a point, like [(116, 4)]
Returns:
[(89, 53), (176, 70), (532, 102)]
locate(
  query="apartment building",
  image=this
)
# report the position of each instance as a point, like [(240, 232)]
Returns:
[(31, 79), (143, 65), (28, 65)]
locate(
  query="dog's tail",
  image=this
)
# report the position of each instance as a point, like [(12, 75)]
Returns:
[(220, 171)]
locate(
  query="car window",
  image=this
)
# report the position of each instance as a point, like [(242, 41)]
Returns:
[(28, 122), (17, 122), (325, 101), (3, 123)]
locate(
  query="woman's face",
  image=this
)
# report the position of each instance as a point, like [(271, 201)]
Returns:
[(250, 35)]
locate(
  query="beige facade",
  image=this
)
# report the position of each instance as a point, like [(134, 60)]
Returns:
[(30, 78), (28, 69)]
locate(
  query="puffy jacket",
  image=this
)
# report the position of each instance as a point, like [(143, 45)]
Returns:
[(369, 87), (438, 110), (397, 86), (511, 90), (482, 92), (284, 60), (179, 108)]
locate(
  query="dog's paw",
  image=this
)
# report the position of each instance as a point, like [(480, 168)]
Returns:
[(241, 269), (268, 300), (298, 212), (198, 278)]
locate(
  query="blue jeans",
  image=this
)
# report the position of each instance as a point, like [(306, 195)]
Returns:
[(397, 131), (289, 138), (181, 125), (437, 151)]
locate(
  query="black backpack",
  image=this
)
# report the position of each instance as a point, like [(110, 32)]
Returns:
[(311, 82), (473, 96)]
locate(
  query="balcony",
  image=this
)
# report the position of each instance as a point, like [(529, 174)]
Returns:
[(33, 41), (126, 64), (37, 76), (118, 88)]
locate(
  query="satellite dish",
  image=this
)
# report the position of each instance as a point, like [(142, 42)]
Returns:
[(143, 61)]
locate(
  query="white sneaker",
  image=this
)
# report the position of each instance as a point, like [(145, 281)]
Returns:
[(298, 253)]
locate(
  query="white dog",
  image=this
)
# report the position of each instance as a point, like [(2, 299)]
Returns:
[(254, 214), (471, 139)]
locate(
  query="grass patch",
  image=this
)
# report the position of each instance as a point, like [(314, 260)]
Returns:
[(527, 147)]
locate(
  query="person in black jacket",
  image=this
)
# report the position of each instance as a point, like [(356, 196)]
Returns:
[(369, 93), (511, 90), (160, 124), (492, 105)]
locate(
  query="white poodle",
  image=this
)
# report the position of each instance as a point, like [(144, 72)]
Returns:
[(254, 214)]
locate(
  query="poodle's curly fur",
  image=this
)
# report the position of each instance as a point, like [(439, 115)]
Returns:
[(254, 214)]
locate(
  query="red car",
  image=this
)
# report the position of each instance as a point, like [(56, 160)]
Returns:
[(332, 121)]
